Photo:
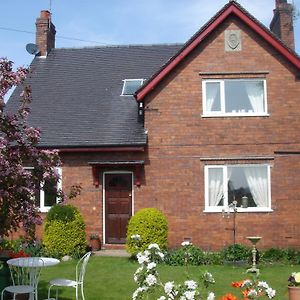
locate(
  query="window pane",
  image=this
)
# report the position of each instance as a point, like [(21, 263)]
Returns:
[(131, 86), (255, 93), (244, 96), (215, 187), (50, 193), (250, 182), (213, 96)]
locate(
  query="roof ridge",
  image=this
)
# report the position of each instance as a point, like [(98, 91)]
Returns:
[(118, 46)]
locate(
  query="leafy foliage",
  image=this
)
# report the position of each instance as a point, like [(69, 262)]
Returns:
[(186, 255), (235, 252), (149, 282), (275, 255), (152, 227), (18, 146), (64, 213), (191, 255), (64, 234)]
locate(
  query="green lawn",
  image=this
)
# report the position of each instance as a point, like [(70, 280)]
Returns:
[(112, 278)]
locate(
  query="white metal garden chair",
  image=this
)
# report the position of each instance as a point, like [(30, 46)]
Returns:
[(25, 273), (78, 282)]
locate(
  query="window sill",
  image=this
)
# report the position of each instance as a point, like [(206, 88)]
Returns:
[(240, 210), (234, 115), (44, 209)]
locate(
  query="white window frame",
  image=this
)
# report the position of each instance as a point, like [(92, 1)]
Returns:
[(42, 207), (209, 208), (223, 113), (127, 80)]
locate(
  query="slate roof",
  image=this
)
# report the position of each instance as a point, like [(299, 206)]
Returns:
[(76, 94)]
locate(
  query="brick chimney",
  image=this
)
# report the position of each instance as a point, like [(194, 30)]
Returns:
[(45, 33), (282, 22)]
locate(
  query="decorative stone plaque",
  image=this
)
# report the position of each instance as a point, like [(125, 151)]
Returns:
[(233, 40)]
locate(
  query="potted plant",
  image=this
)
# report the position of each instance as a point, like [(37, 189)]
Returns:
[(294, 286), (95, 242)]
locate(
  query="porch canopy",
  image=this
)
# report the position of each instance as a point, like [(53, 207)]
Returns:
[(134, 165)]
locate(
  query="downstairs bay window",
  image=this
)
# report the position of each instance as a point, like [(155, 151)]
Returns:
[(248, 184), (234, 97)]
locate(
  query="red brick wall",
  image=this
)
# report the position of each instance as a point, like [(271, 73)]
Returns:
[(77, 170), (179, 137), (173, 177)]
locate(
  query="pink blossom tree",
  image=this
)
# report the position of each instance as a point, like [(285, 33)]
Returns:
[(18, 149)]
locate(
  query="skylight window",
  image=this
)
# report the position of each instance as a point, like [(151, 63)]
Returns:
[(130, 86)]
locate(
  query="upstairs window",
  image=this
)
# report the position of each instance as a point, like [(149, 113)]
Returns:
[(249, 185), (130, 86), (234, 97)]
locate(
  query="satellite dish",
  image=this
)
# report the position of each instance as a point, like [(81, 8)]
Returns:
[(32, 48)]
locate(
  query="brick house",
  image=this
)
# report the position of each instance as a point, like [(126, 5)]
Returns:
[(188, 129)]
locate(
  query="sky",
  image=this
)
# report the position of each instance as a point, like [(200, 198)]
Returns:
[(116, 22)]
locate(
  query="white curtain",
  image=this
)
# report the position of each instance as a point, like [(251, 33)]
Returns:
[(216, 189), (257, 178), (255, 93), (212, 89)]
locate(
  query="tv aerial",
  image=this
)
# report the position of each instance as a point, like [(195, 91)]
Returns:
[(32, 49)]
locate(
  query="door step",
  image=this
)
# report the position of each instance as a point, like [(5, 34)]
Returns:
[(113, 247)]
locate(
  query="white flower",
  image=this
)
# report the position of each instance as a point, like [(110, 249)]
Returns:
[(151, 266), (211, 296), (169, 287), (161, 255), (189, 295), (162, 298), (142, 258), (252, 293), (139, 290), (262, 284), (191, 284), (138, 270), (208, 277), (136, 237), (153, 246), (151, 279), (270, 293), (247, 282), (186, 243)]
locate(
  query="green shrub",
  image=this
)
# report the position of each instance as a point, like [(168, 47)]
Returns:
[(186, 255), (64, 213), (152, 227), (64, 235), (213, 258), (6, 244), (274, 255), (235, 252)]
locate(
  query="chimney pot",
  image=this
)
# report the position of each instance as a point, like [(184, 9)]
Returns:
[(45, 14)]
